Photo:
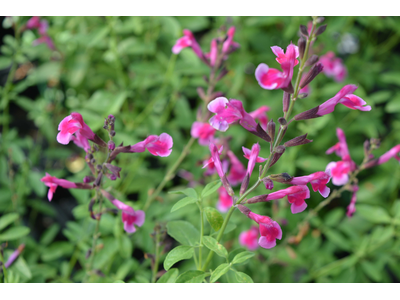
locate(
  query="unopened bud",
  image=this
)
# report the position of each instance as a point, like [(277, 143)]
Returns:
[(300, 140), (269, 184), (320, 30), (111, 118), (105, 123), (278, 153), (245, 184), (227, 186), (375, 143), (112, 133), (271, 129), (289, 89), (314, 71), (282, 121), (88, 253), (244, 210), (320, 19), (302, 46), (256, 199), (88, 179), (111, 145), (303, 30), (92, 161), (302, 96), (367, 147), (308, 114), (282, 177), (261, 133), (98, 179), (99, 167), (313, 59), (286, 101)]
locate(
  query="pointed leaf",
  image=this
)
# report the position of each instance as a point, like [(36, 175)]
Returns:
[(7, 220), (177, 254), (214, 218), (210, 188), (243, 278), (14, 233), (374, 214), (219, 271), (192, 277), (213, 245), (183, 202), (188, 192), (243, 256), (169, 277), (184, 232)]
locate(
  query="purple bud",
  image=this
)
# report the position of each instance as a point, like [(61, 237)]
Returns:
[(303, 30), (88, 179), (278, 153), (111, 118), (282, 177), (286, 101), (112, 133), (314, 71), (300, 140), (256, 199), (308, 114), (111, 145), (227, 186), (289, 89), (245, 184), (302, 46), (320, 30), (312, 60), (244, 210), (271, 129), (282, 121), (269, 184)]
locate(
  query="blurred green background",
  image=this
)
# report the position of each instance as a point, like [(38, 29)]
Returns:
[(124, 66)]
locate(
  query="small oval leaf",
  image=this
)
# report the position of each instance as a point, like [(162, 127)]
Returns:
[(177, 254), (211, 188), (14, 233), (214, 218), (169, 277), (242, 257), (213, 245), (219, 271), (192, 277), (183, 202)]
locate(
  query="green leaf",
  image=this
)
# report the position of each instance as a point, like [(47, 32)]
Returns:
[(243, 278), (372, 270), (213, 245), (192, 277), (119, 281), (125, 246), (188, 192), (337, 238), (214, 218), (22, 267), (14, 233), (211, 188), (184, 232), (49, 235), (219, 271), (169, 277), (183, 202), (243, 256), (8, 219), (177, 254), (374, 214)]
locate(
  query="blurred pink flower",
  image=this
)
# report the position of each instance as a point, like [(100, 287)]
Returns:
[(33, 22), (203, 131), (260, 114), (228, 112), (351, 209), (333, 66), (252, 156), (339, 171), (237, 172), (392, 153), (14, 255), (249, 238), (53, 182), (224, 200), (188, 40), (157, 145)]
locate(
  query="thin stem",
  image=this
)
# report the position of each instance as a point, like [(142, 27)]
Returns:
[(157, 256), (4, 266), (201, 234)]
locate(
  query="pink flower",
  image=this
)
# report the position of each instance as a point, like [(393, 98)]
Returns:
[(157, 145), (224, 201), (296, 195), (229, 45), (252, 156), (385, 157), (249, 238), (33, 22), (81, 141), (188, 40), (130, 217), (260, 114), (215, 159), (213, 52), (351, 209), (14, 255), (340, 148), (44, 39), (237, 171), (229, 112), (271, 79), (333, 66), (72, 124), (339, 171), (344, 96), (43, 27), (53, 182), (306, 90), (269, 230), (318, 182), (203, 131)]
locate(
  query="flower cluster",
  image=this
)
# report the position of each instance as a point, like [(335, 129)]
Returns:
[(42, 26), (74, 128)]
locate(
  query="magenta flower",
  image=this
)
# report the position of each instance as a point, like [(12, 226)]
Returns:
[(224, 200), (229, 112), (333, 66), (339, 171), (203, 131), (340, 148), (269, 230), (392, 153), (271, 79), (351, 209), (130, 217), (252, 156), (81, 141), (318, 182), (212, 56), (44, 40), (215, 159), (33, 22), (72, 124), (249, 238), (260, 114), (53, 182), (157, 145), (188, 40), (237, 171), (229, 45)]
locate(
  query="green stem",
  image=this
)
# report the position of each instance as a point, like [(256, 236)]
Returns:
[(157, 256), (4, 267), (201, 234)]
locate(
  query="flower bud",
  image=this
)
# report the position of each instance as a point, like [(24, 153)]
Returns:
[(308, 114), (269, 184), (98, 179), (303, 30), (88, 179), (244, 210), (114, 169), (313, 59), (282, 121), (286, 101), (367, 147), (320, 30), (99, 167), (223, 72), (320, 19), (282, 177), (227, 186), (300, 140), (302, 96), (111, 118), (112, 133), (278, 153), (302, 46), (271, 129), (289, 89), (97, 140), (111, 145), (314, 71), (261, 133), (256, 199), (245, 184), (92, 161)]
